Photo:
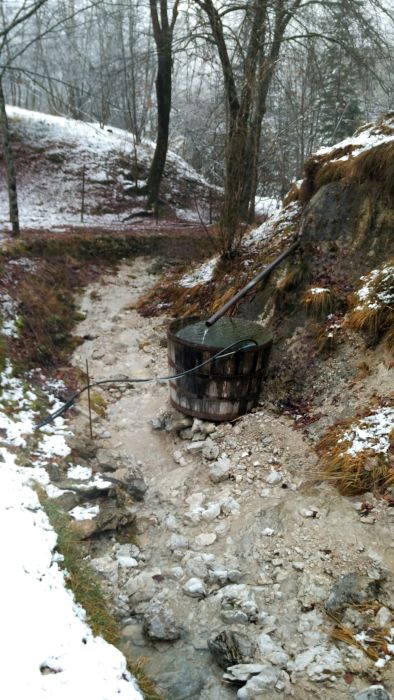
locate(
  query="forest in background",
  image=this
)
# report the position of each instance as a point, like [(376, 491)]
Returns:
[(246, 91)]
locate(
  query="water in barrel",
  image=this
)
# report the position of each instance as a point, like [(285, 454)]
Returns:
[(224, 332)]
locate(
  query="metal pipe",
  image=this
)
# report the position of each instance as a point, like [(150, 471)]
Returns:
[(215, 317)]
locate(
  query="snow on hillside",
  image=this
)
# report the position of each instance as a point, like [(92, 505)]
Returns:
[(50, 651), (366, 137), (52, 152)]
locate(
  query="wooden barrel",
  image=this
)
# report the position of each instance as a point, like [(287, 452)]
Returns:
[(221, 390)]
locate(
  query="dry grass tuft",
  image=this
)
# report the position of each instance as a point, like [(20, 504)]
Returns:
[(320, 302), (373, 643), (296, 276), (375, 164), (373, 312), (293, 195), (355, 453)]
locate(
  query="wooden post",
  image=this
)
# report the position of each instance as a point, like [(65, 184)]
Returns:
[(83, 193), (89, 403)]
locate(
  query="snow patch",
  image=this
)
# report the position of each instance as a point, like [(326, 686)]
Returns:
[(57, 655), (370, 433), (201, 275)]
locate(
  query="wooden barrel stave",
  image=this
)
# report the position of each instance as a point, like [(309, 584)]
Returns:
[(222, 390)]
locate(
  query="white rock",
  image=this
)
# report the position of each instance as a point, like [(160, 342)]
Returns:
[(274, 477), (142, 587), (208, 428), (127, 562), (211, 512), (309, 512), (197, 424), (219, 575), (317, 662), (196, 446), (205, 539), (229, 506), (196, 568), (268, 532), (242, 672), (210, 450), (383, 617), (220, 470), (176, 572), (194, 588), (177, 542), (179, 458), (298, 565), (257, 685), (171, 523)]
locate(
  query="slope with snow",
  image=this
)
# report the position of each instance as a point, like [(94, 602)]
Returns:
[(53, 157), (50, 651)]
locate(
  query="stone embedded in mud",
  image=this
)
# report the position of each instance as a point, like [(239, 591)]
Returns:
[(238, 596), (374, 692), (211, 512), (143, 586), (383, 617), (109, 518), (194, 588), (82, 446), (210, 451), (107, 567), (178, 423), (273, 478), (231, 647), (179, 458), (177, 542), (106, 460), (160, 624), (242, 672), (229, 506), (351, 589), (257, 686), (130, 478), (205, 539), (196, 446), (220, 470)]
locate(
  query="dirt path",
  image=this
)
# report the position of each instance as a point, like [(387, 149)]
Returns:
[(231, 544)]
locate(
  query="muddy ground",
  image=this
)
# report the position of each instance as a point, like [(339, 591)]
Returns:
[(237, 548)]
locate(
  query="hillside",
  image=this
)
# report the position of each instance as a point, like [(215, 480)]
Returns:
[(52, 154)]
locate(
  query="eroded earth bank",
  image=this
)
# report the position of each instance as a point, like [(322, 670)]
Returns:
[(226, 562)]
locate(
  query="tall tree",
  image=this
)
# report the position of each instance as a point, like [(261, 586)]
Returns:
[(266, 26), (10, 24), (163, 32)]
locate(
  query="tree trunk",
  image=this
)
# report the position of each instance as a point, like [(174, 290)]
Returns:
[(163, 93), (9, 166), (163, 33)]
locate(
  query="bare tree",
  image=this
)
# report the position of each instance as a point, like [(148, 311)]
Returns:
[(265, 27), (9, 25), (163, 31)]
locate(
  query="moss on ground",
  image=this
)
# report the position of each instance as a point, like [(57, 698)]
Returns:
[(83, 582)]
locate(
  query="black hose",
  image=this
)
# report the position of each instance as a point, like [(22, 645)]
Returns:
[(224, 352)]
